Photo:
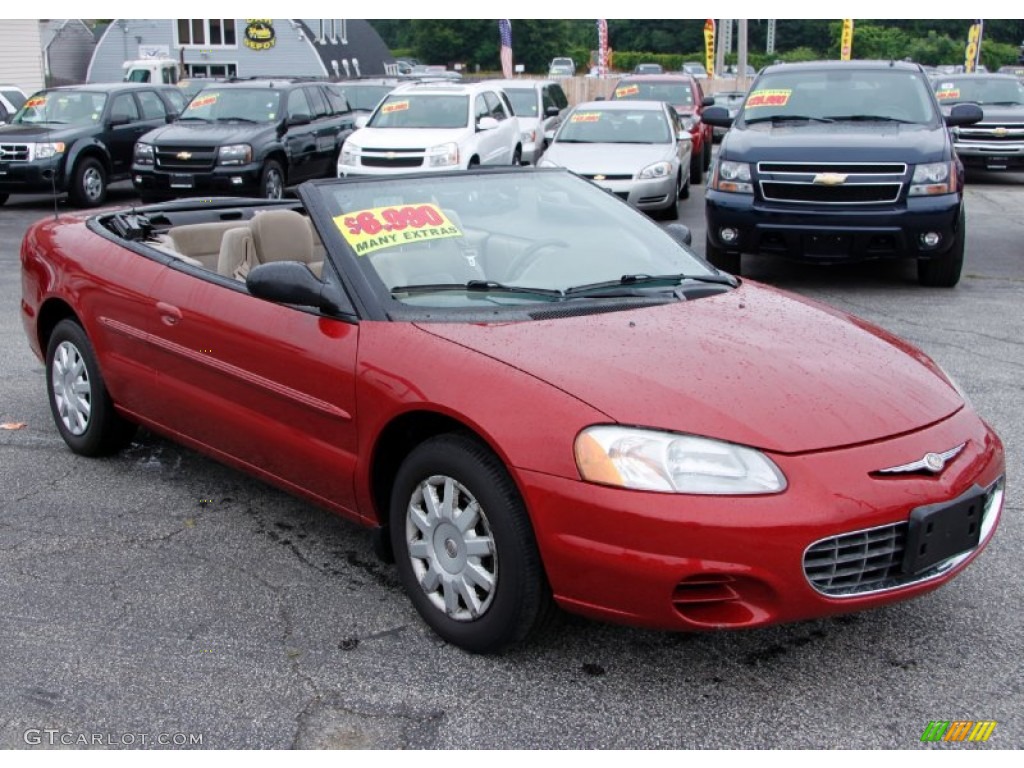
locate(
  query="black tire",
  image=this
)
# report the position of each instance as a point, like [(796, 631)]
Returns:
[(697, 168), (272, 180), (88, 183), (707, 154), (474, 162), (719, 258), (71, 363), (943, 271), (480, 617), (3, 198), (517, 156)]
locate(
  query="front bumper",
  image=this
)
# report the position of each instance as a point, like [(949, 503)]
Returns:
[(836, 234), (682, 562), (232, 180), (33, 176), (992, 155), (644, 194)]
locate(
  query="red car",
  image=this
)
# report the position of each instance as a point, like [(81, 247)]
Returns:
[(536, 395), (685, 95)]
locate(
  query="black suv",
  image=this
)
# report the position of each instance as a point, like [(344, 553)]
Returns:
[(80, 138), (840, 161), (997, 142), (245, 137)]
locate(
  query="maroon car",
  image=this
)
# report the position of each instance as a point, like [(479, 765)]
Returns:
[(684, 94)]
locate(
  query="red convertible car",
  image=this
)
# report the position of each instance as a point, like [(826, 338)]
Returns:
[(533, 393)]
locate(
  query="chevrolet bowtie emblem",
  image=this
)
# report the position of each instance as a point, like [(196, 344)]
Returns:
[(830, 179), (1000, 131), (184, 155), (391, 155), (930, 462), (600, 177)]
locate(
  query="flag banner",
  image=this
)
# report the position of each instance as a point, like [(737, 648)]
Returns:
[(505, 32), (846, 48), (602, 47), (972, 55), (709, 47)]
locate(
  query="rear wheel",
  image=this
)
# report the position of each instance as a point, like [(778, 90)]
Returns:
[(89, 183), (79, 401), (719, 258), (464, 546), (944, 271)]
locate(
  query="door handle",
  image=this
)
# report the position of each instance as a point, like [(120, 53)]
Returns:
[(169, 314)]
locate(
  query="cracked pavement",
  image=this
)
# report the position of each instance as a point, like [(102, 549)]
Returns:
[(160, 592)]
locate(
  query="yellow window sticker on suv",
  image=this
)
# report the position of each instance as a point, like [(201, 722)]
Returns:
[(375, 228), (948, 94), (395, 106), (627, 90), (768, 98), (203, 101), (585, 117)]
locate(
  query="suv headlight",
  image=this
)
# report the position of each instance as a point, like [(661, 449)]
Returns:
[(350, 153), (656, 171), (933, 179), (234, 154), (143, 154), (687, 121), (48, 149), (730, 176), (443, 155), (648, 460)]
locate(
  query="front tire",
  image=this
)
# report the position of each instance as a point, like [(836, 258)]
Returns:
[(719, 258), (3, 198), (944, 271), (697, 168), (272, 180), (464, 546), (89, 183), (517, 156), (79, 401)]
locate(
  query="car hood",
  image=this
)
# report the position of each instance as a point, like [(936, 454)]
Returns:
[(45, 132), (204, 134), (405, 138), (753, 366), (607, 158), (853, 142)]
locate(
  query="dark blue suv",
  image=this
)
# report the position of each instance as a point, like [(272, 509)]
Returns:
[(840, 161)]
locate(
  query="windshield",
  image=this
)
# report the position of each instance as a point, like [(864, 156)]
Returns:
[(979, 90), (674, 93), (258, 105), (616, 126), (365, 98), (422, 111), (840, 93), (63, 107), (524, 101), (500, 239)]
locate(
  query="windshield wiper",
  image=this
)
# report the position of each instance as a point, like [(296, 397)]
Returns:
[(1002, 103), (474, 286), (788, 118), (636, 281), (191, 117), (236, 119), (869, 118), (576, 141)]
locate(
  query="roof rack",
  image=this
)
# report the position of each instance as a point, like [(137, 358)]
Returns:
[(289, 78)]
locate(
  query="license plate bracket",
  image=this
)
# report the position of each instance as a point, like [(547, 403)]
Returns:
[(182, 181), (937, 532)]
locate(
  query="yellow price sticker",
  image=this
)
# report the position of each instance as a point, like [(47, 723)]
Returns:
[(768, 98), (376, 228)]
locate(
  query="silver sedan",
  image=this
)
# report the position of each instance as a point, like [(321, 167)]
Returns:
[(636, 149)]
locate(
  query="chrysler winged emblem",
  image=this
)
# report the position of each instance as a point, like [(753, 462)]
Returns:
[(930, 462), (184, 155), (830, 179)]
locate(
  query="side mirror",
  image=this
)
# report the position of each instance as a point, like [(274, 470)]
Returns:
[(964, 114), (600, 98), (709, 101), (486, 124), (717, 116), (289, 282), (551, 112), (299, 119), (679, 232)]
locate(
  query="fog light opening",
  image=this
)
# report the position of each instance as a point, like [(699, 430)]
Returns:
[(728, 235), (236, 180), (930, 239)]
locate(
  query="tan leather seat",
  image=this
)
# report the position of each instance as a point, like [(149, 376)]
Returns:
[(283, 235)]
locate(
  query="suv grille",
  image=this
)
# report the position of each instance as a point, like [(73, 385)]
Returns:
[(383, 157), (989, 133), (856, 562), (832, 183), (185, 158), (14, 152)]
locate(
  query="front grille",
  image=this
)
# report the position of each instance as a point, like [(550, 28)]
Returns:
[(375, 161), (14, 152), (857, 562), (992, 133), (609, 177), (837, 183), (173, 158), (801, 192)]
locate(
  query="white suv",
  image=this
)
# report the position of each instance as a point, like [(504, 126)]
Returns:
[(434, 127)]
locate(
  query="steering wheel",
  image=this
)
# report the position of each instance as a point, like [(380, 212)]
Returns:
[(526, 258)]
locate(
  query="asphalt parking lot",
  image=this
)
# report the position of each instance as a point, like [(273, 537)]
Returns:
[(156, 597)]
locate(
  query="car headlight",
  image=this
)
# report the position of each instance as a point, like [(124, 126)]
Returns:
[(731, 176), (234, 154), (687, 121), (648, 460), (443, 155), (143, 154), (48, 149), (933, 179), (528, 137), (350, 153), (656, 171)]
